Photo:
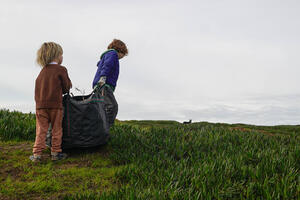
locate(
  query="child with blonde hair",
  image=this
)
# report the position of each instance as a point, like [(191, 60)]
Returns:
[(52, 82)]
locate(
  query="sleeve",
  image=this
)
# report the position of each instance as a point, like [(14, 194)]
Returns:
[(109, 63), (97, 76), (65, 80)]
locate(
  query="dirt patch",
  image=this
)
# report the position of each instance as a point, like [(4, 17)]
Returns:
[(15, 168), (239, 129), (24, 146), (13, 172), (249, 130)]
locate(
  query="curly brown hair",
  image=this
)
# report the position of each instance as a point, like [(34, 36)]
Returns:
[(119, 46)]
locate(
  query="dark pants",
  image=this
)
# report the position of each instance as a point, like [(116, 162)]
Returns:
[(110, 105)]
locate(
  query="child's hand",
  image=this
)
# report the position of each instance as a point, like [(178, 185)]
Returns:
[(101, 83), (102, 80)]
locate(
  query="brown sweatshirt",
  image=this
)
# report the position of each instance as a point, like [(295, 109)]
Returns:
[(52, 82)]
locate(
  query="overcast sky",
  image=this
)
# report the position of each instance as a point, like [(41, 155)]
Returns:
[(218, 61)]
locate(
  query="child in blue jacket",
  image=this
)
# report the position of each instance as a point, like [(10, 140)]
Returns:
[(107, 74)]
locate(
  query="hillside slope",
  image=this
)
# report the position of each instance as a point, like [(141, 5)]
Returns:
[(156, 160)]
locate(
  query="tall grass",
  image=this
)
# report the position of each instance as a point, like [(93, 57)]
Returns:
[(16, 125), (202, 161), (168, 160)]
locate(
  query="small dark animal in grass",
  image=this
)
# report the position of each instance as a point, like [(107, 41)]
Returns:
[(189, 122)]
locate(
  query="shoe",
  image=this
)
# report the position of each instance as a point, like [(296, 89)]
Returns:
[(58, 156), (35, 158)]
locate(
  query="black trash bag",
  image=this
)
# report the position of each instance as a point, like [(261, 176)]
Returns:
[(110, 104), (87, 119)]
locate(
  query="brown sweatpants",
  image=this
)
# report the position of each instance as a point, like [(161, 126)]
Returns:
[(43, 118)]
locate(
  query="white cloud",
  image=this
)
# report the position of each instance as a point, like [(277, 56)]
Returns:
[(208, 57)]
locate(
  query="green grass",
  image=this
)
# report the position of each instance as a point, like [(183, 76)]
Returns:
[(84, 172), (208, 162), (150, 123), (16, 126), (161, 160)]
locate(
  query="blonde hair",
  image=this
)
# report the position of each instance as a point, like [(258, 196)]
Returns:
[(48, 52)]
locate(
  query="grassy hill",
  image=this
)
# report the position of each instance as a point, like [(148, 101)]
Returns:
[(156, 160)]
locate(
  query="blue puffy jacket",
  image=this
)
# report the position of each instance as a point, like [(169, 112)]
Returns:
[(108, 66)]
